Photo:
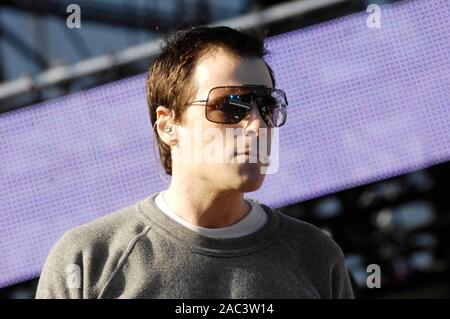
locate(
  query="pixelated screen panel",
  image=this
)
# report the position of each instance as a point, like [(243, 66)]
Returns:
[(364, 104)]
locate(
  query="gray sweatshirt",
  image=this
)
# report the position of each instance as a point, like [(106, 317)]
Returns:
[(140, 252)]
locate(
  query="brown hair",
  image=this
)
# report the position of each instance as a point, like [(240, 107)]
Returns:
[(169, 78)]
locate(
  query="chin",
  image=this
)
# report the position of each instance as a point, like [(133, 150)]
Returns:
[(243, 186), (249, 187), (250, 178)]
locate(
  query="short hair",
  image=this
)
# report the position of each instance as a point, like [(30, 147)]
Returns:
[(169, 81)]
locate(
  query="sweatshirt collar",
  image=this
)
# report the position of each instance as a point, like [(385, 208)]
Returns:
[(169, 228)]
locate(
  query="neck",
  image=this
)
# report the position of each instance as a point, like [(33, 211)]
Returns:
[(205, 207)]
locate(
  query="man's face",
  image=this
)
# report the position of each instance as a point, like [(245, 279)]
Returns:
[(213, 148)]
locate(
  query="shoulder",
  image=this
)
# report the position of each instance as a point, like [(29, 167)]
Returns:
[(106, 230), (318, 256), (310, 235), (95, 247), (307, 239)]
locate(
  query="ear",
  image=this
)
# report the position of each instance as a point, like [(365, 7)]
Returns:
[(164, 121)]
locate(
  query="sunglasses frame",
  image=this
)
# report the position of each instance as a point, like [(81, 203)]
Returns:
[(242, 104)]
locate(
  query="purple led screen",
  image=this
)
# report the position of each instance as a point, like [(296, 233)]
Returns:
[(364, 105)]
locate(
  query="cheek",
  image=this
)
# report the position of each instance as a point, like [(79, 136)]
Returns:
[(215, 146), (265, 139), (199, 139)]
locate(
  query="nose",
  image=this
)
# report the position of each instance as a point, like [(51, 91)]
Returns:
[(253, 121)]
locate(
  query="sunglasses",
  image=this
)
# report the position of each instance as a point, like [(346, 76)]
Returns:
[(230, 104)]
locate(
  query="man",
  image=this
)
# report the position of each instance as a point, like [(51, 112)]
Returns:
[(201, 238)]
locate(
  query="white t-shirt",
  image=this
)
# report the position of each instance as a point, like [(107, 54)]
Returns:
[(252, 222)]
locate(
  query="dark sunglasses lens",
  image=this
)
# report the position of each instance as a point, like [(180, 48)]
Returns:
[(272, 105), (223, 106)]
